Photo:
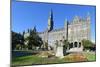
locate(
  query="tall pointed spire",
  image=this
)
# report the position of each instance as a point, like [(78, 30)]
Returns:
[(65, 22), (51, 15), (88, 16), (50, 21), (66, 28)]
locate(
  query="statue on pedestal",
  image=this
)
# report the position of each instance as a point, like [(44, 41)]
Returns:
[(59, 50)]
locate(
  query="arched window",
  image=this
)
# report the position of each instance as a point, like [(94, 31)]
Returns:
[(71, 45), (79, 44), (75, 44)]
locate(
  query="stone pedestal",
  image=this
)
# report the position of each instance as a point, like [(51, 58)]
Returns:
[(59, 51)]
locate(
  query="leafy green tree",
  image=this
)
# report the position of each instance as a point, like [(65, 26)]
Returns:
[(66, 43), (33, 39), (18, 46), (87, 44), (17, 38)]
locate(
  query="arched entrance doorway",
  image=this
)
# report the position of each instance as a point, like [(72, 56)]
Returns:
[(75, 44)]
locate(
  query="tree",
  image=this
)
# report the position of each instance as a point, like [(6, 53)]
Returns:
[(34, 39), (66, 43), (87, 44), (17, 39), (23, 33), (14, 40)]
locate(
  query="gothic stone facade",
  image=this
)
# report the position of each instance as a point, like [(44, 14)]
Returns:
[(74, 31)]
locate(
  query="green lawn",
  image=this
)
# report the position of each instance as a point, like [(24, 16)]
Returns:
[(26, 60), (34, 59), (90, 56)]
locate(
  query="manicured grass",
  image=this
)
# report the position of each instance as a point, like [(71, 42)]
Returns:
[(90, 56), (26, 60), (35, 59)]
